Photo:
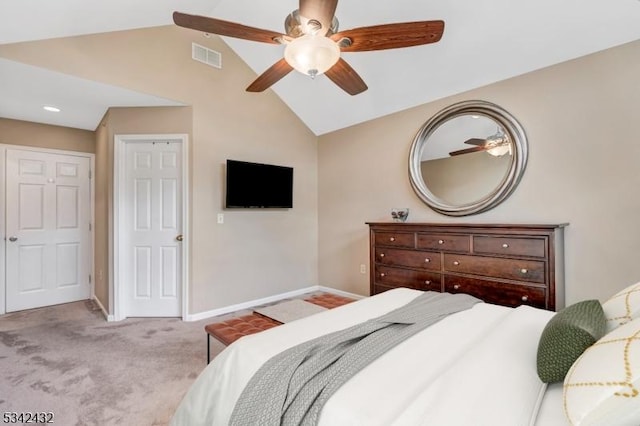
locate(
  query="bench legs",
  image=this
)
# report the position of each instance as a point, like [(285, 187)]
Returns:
[(208, 348)]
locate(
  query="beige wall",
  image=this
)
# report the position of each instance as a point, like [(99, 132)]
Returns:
[(581, 118), (463, 179), (121, 121), (16, 132), (101, 212), (255, 253)]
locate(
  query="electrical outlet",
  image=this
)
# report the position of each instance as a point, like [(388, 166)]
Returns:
[(220, 217), (363, 268)]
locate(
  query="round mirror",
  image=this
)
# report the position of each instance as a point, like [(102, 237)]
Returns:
[(467, 158)]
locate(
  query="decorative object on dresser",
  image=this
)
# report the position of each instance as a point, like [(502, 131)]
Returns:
[(505, 264), (399, 215)]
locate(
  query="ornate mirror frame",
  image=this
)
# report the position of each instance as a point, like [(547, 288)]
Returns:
[(512, 128)]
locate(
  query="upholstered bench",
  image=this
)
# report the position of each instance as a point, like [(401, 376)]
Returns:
[(228, 331), (328, 300)]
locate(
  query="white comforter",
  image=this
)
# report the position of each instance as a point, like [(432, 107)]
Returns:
[(476, 367)]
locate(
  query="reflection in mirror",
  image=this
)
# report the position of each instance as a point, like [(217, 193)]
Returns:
[(467, 158)]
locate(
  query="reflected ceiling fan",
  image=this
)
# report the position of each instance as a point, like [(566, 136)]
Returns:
[(313, 43), (497, 145)]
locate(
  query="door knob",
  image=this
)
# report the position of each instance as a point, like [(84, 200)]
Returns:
[(179, 237), (12, 239)]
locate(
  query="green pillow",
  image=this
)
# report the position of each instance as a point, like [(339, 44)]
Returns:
[(566, 336)]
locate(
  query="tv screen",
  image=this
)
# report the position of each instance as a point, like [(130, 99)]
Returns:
[(253, 185)]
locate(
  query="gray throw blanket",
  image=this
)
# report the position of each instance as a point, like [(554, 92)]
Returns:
[(292, 387)]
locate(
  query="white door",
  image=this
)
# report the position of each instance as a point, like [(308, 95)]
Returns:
[(152, 224), (48, 240)]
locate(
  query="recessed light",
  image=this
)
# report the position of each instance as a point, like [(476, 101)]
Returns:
[(51, 108)]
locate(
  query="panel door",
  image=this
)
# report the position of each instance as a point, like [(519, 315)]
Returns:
[(48, 240), (151, 252)]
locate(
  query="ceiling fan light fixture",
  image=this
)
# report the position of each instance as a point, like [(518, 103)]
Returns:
[(312, 54), (310, 48), (296, 25), (500, 150), (498, 144)]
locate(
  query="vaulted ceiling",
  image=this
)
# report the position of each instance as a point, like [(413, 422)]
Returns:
[(483, 42)]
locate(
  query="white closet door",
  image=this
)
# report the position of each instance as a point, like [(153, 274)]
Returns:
[(151, 250), (48, 244)]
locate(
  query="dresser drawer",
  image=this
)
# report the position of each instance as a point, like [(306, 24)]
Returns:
[(395, 239), (378, 288), (496, 292), (444, 242), (512, 269), (411, 258), (534, 247), (398, 277)]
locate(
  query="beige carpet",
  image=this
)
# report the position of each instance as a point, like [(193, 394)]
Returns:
[(68, 360)]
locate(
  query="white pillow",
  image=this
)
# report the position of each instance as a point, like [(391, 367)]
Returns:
[(622, 307), (603, 385)]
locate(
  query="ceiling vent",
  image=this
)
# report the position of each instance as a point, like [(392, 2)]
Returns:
[(206, 56)]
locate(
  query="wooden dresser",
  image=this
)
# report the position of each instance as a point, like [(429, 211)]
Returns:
[(503, 264)]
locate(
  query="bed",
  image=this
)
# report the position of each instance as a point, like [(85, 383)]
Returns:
[(480, 366), (476, 367)]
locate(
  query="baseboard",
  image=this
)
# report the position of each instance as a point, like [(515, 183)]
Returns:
[(250, 304), (276, 298), (340, 292), (108, 317)]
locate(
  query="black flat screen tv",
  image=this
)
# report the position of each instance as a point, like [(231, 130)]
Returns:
[(254, 185)]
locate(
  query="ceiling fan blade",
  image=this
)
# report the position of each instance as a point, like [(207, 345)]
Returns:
[(468, 150), (320, 10), (390, 36), (346, 78), (225, 28), (476, 141), (272, 75)]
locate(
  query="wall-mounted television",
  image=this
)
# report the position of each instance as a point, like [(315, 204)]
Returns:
[(255, 185)]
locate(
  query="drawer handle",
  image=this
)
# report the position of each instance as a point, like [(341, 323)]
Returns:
[(525, 298), (428, 282), (392, 239), (427, 260), (440, 241), (382, 274), (455, 262), (456, 287), (505, 245), (524, 271), (381, 254)]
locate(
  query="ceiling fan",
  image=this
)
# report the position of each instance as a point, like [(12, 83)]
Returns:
[(496, 145), (313, 43)]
